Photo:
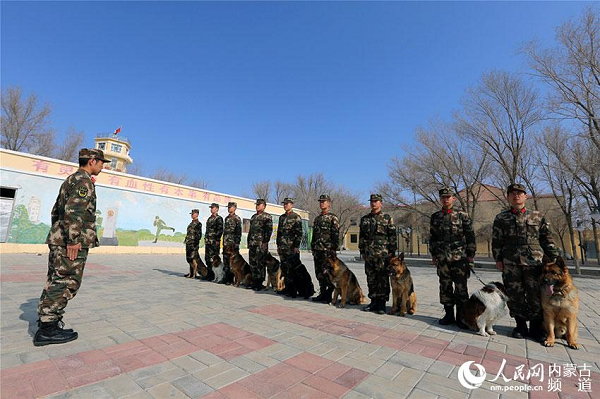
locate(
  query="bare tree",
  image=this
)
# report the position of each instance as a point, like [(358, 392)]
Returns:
[(347, 206), (572, 69), (25, 124), (164, 175), (559, 178), (199, 183), (262, 189), (282, 190), (499, 114), (69, 149)]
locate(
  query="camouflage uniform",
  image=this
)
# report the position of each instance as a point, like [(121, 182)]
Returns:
[(212, 238), (520, 240), (73, 222), (325, 239), (452, 241), (192, 240), (232, 236), (289, 237), (377, 243), (261, 228)]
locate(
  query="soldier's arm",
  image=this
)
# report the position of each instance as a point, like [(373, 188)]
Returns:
[(54, 213), (392, 236), (268, 229), (219, 228), (361, 238), (433, 238), (335, 233), (75, 210), (279, 224), (546, 240), (497, 239), (469, 234), (199, 232), (297, 233), (237, 236)]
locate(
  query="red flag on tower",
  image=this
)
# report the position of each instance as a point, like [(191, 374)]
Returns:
[(118, 130)]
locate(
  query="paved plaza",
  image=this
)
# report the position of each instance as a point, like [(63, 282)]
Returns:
[(147, 332)]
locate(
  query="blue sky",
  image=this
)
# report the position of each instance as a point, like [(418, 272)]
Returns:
[(241, 92)]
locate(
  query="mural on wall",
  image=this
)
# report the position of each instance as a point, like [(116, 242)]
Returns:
[(123, 217)]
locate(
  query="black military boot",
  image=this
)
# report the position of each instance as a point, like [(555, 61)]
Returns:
[(372, 307), (258, 286), (381, 306), (520, 331), (324, 295), (536, 330), (459, 318), (448, 317), (50, 333), (61, 325)]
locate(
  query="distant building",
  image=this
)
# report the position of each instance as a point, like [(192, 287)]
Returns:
[(116, 148)]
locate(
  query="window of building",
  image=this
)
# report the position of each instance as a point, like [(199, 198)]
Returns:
[(352, 222), (113, 163), (7, 199), (102, 146), (115, 147), (353, 238)]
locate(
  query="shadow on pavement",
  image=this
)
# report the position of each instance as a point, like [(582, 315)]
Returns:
[(29, 314), (170, 273)]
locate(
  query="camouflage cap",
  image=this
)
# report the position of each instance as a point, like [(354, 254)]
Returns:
[(260, 201), (324, 197), (214, 205), (287, 200), (375, 197), (445, 192), (515, 187), (194, 211), (231, 204), (92, 153)]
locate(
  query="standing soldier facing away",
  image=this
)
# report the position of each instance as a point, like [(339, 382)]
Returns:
[(520, 239), (261, 228), (325, 240), (212, 238), (192, 240), (232, 236), (452, 246), (377, 244), (72, 234), (289, 237)]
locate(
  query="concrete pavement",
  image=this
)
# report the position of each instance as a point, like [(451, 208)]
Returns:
[(146, 332)]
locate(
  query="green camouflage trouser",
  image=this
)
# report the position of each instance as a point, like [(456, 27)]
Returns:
[(453, 276), (191, 253), (320, 258), (210, 250), (257, 263), (378, 277), (284, 255), (62, 283), (523, 289)]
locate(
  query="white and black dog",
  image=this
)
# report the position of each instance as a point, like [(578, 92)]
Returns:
[(485, 307)]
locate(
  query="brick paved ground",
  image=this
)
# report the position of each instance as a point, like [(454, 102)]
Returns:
[(144, 331)]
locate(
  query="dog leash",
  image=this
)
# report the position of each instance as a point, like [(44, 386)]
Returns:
[(475, 274)]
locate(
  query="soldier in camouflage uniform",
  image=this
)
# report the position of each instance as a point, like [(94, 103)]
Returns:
[(232, 236), (192, 239), (520, 239), (377, 244), (212, 238), (289, 237), (452, 246), (261, 228), (325, 239), (72, 234)]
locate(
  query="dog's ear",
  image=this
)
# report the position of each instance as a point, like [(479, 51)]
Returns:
[(560, 262), (401, 256), (546, 259)]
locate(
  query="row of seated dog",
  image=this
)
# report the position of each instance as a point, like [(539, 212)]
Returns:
[(484, 308)]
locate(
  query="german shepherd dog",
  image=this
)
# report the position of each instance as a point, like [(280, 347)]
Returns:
[(403, 290), (240, 268), (274, 278), (205, 272), (484, 308), (344, 281), (193, 269), (301, 282), (560, 302)]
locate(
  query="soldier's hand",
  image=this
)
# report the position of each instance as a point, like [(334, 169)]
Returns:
[(72, 251), (296, 250), (265, 246), (434, 261), (500, 266), (470, 259)]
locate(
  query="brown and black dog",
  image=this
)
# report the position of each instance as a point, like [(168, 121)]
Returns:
[(193, 269), (274, 279), (205, 272), (344, 282), (240, 268), (403, 290), (560, 302)]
